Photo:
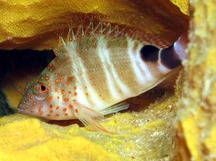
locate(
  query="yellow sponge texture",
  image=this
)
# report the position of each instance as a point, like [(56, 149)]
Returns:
[(144, 132)]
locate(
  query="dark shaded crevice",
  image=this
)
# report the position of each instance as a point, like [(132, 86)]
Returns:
[(15, 65)]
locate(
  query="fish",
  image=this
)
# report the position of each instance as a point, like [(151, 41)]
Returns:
[(95, 70)]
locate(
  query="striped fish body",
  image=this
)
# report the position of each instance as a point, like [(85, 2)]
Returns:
[(94, 71)]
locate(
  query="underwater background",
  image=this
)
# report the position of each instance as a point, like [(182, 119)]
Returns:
[(174, 121)]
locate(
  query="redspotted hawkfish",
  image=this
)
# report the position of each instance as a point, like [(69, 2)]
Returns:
[(95, 70)]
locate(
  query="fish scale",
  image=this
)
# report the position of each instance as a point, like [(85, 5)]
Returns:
[(94, 71)]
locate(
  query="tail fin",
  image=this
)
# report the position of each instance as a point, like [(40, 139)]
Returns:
[(180, 46), (170, 57), (174, 55)]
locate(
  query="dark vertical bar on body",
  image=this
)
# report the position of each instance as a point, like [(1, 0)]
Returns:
[(168, 57)]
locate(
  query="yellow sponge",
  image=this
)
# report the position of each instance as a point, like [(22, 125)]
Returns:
[(145, 132)]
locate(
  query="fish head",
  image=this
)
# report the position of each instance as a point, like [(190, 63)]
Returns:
[(35, 97), (46, 97)]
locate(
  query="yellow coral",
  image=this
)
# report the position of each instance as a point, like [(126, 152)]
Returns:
[(197, 104), (146, 134), (28, 24), (138, 133)]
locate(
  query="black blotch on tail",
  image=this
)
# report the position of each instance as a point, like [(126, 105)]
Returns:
[(169, 58), (149, 53)]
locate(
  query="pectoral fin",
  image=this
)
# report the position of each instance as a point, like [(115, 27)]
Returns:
[(115, 108), (89, 117)]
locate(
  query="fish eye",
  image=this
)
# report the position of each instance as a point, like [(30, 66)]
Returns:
[(43, 88), (40, 91)]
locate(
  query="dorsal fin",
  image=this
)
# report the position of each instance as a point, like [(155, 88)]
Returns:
[(61, 58), (86, 38), (70, 36), (79, 32)]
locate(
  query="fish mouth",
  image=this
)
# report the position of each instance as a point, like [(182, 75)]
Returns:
[(22, 111), (19, 108)]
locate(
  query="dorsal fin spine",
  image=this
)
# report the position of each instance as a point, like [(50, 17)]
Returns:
[(61, 42), (56, 51), (70, 36), (90, 28), (80, 31)]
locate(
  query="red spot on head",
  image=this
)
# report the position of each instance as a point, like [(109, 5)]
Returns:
[(57, 60), (64, 109), (66, 99), (57, 107), (76, 111), (68, 60), (70, 106), (62, 91), (75, 93), (41, 113), (51, 111), (57, 114), (51, 106), (70, 78), (86, 94), (49, 98), (57, 81), (61, 79), (56, 89), (75, 87)]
